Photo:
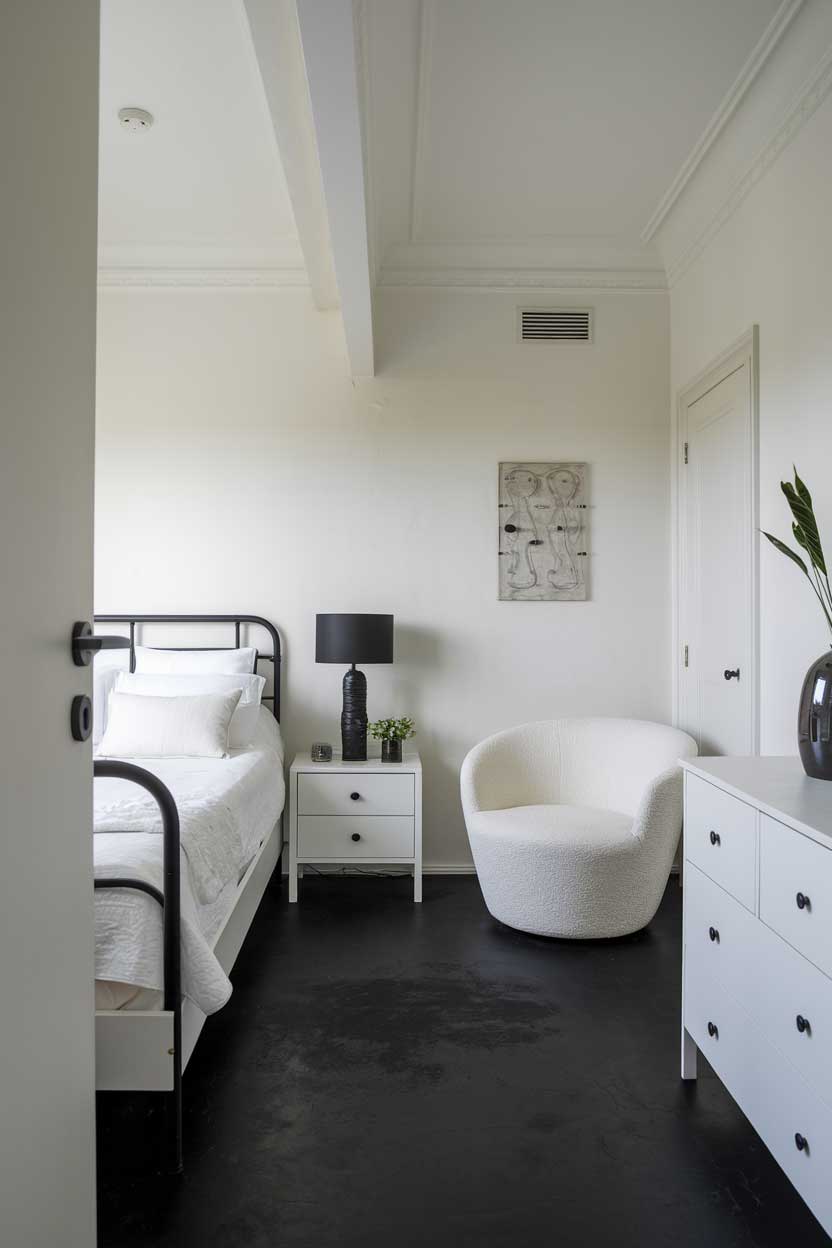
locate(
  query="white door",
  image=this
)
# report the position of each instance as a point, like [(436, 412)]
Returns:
[(718, 543), (48, 155)]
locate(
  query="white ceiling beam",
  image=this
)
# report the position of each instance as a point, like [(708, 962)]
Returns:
[(275, 37), (327, 36)]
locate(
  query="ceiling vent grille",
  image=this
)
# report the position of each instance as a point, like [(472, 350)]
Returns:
[(555, 324)]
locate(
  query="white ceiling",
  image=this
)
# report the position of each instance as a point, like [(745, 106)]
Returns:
[(205, 184), (560, 121), (517, 143)]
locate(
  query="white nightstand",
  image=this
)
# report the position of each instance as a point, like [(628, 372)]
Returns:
[(354, 813)]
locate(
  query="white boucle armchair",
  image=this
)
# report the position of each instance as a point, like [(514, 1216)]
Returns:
[(574, 823)]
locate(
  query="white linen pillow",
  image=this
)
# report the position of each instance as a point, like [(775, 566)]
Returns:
[(103, 682), (243, 721), (145, 727), (195, 662)]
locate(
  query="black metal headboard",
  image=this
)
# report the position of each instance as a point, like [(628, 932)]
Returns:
[(236, 620)]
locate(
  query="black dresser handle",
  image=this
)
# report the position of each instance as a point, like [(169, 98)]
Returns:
[(803, 902), (713, 1030), (715, 838), (354, 797), (802, 1024), (713, 934), (801, 1143), (356, 836)]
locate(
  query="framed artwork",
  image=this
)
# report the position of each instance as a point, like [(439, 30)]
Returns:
[(542, 538)]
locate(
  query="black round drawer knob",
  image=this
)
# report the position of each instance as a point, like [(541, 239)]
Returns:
[(356, 836), (354, 797), (714, 837), (802, 1024), (801, 1143), (713, 1030), (803, 902), (713, 933)]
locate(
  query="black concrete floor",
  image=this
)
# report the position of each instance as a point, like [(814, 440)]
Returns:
[(391, 1074)]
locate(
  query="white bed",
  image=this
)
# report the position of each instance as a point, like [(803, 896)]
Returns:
[(229, 814), (228, 809)]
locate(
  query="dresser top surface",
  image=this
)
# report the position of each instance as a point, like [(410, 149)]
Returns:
[(777, 785)]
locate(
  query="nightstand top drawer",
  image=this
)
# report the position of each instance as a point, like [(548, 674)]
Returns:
[(720, 835), (355, 793)]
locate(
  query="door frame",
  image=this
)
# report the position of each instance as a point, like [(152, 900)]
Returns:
[(745, 350)]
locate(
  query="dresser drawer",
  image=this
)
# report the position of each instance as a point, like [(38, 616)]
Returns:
[(720, 838), (796, 890), (775, 984), (334, 836), (328, 793), (721, 936)]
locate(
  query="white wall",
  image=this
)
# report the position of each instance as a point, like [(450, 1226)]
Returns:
[(238, 468), (770, 264), (48, 209)]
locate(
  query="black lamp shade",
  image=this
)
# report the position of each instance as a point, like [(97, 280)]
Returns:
[(354, 639)]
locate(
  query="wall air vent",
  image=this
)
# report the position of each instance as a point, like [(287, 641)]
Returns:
[(554, 324)]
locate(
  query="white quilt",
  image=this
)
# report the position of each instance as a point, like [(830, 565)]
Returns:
[(226, 808)]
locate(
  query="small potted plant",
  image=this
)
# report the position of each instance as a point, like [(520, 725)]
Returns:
[(391, 733)]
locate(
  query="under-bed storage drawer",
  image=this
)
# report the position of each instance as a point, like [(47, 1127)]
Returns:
[(354, 836), (328, 793), (796, 890), (721, 838)]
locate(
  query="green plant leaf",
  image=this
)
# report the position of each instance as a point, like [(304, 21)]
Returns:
[(786, 550), (804, 518), (802, 489)]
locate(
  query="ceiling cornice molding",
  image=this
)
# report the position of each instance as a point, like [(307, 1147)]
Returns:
[(499, 279), (114, 277), (760, 55), (812, 94), (427, 27)]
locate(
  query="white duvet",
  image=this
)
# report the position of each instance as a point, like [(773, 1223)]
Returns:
[(226, 808)]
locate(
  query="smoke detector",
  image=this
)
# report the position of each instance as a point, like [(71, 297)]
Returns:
[(135, 119)]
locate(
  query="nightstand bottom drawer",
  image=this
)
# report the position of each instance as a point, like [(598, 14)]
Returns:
[(343, 837)]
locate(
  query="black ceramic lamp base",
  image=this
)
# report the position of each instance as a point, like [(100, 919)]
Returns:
[(354, 717)]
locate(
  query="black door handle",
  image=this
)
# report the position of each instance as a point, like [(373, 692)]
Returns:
[(85, 646), (732, 673)]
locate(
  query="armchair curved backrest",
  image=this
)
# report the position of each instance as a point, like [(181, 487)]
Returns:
[(600, 762)]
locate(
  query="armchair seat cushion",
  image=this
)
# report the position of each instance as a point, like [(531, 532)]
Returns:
[(586, 830)]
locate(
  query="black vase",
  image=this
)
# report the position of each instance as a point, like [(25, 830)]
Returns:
[(814, 721), (391, 751)]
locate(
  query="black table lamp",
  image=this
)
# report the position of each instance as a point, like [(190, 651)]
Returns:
[(354, 639)]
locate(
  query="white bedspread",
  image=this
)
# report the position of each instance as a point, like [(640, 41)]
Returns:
[(226, 808)]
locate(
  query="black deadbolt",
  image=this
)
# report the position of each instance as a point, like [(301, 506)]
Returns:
[(80, 717)]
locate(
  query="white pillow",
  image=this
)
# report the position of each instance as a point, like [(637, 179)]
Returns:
[(195, 662), (146, 727), (244, 719), (103, 682)]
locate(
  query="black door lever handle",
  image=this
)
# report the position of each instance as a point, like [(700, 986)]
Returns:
[(85, 645)]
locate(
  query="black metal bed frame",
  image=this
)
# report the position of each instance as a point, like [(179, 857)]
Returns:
[(169, 898)]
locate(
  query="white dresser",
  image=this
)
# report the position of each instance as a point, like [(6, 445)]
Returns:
[(757, 978), (355, 813)]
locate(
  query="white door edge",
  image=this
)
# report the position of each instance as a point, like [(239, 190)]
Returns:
[(745, 349)]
